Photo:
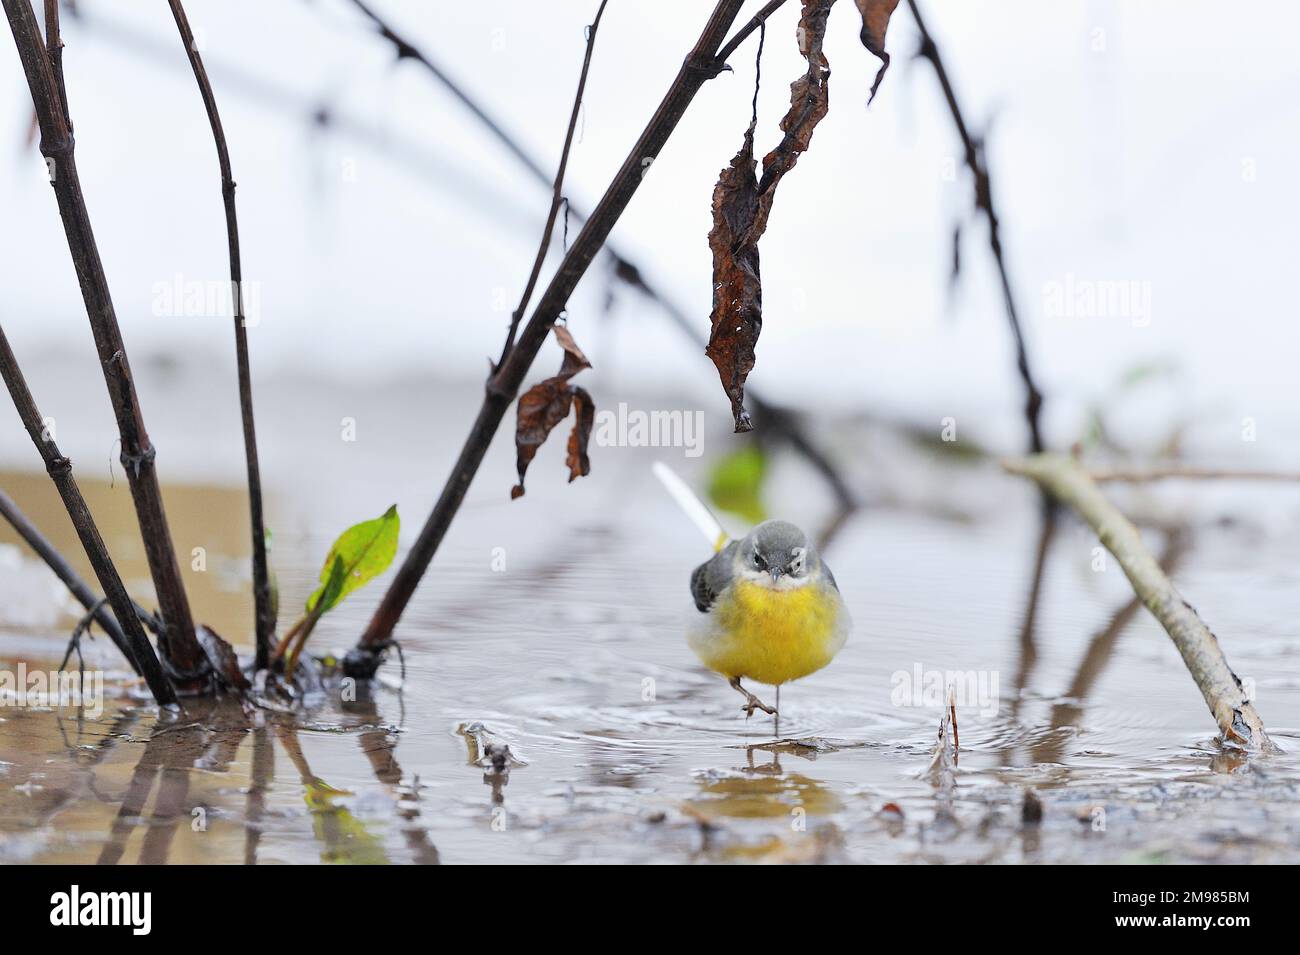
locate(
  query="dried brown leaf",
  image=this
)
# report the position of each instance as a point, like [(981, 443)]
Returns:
[(741, 206), (545, 405), (809, 103), (875, 21), (737, 291), (222, 657), (540, 409), (584, 418), (574, 360)]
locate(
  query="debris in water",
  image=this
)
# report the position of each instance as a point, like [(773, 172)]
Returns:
[(488, 750), (1031, 814)]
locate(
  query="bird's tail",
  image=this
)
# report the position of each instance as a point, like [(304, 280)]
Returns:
[(693, 507)]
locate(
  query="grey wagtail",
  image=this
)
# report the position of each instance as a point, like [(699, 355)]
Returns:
[(772, 610)]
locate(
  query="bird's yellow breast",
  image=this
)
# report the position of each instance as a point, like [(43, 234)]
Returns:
[(770, 635)]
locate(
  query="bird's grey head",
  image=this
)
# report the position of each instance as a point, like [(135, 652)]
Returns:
[(778, 554)]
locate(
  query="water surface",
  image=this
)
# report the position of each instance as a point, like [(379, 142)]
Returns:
[(554, 625)]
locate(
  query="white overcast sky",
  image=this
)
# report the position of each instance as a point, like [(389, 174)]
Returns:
[(1152, 142)]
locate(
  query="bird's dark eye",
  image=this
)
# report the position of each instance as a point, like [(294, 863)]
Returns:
[(759, 562)]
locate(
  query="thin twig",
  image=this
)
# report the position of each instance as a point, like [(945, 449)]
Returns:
[(74, 642), (389, 142), (952, 716), (177, 640), (700, 65), (46, 551), (134, 644), (772, 417), (556, 194), (940, 770), (1233, 710), (977, 162), (264, 613), (758, 20)]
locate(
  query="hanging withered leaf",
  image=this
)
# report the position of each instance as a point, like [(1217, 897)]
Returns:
[(546, 404), (584, 418), (875, 21), (737, 292), (574, 360), (741, 206)]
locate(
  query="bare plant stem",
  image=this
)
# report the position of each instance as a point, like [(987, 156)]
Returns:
[(1065, 480), (177, 640), (772, 418), (264, 613), (79, 589), (54, 52), (128, 633), (978, 165), (700, 65), (557, 196)]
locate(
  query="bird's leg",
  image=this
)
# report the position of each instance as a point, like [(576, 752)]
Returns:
[(752, 702)]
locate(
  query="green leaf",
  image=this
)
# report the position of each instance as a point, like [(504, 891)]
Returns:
[(330, 592), (361, 553), (736, 483)]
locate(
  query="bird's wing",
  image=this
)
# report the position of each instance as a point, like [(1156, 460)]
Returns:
[(712, 577), (826, 570)]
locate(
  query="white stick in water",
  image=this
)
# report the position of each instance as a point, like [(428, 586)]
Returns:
[(694, 508)]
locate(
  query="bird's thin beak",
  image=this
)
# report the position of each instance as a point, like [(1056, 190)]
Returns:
[(776, 574)]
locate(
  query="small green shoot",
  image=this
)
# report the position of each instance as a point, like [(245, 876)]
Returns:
[(361, 553)]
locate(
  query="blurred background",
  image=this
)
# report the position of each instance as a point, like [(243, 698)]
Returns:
[(388, 235)]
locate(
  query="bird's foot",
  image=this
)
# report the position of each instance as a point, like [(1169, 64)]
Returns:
[(752, 702)]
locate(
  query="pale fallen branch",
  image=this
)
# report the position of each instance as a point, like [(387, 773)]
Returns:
[(1065, 480), (1182, 472)]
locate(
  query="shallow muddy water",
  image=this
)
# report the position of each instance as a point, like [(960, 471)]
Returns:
[(554, 625)]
